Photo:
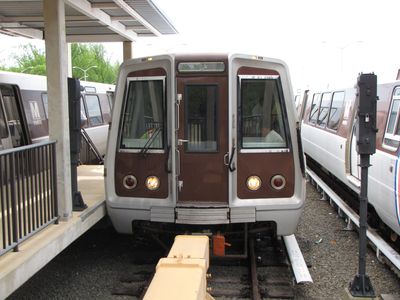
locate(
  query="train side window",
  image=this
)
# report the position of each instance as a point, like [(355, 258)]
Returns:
[(95, 117), (336, 110), (262, 119), (315, 107), (143, 114), (392, 133), (324, 109)]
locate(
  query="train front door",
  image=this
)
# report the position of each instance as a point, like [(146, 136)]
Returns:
[(202, 140)]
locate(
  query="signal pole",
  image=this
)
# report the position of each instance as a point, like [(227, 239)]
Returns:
[(361, 285)]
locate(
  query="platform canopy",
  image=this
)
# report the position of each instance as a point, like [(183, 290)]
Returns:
[(88, 20)]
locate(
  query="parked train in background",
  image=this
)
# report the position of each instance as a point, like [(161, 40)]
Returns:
[(204, 139), (24, 110), (329, 140)]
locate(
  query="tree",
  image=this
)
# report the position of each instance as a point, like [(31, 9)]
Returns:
[(89, 60), (93, 58), (32, 61)]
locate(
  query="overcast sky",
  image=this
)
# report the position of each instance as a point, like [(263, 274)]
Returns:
[(325, 43)]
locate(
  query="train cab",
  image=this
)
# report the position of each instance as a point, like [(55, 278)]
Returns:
[(204, 139)]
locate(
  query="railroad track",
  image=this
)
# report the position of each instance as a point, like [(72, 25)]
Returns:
[(383, 249), (265, 274)]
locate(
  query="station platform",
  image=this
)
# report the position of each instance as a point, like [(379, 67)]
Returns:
[(38, 250)]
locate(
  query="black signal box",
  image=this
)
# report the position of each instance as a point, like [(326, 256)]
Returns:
[(366, 125)]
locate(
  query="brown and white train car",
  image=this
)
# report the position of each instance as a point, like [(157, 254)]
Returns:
[(328, 135), (24, 113), (204, 139)]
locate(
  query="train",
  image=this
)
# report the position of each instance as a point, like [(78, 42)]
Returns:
[(24, 110), (329, 120), (204, 139)]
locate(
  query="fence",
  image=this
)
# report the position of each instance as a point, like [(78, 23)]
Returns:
[(28, 192)]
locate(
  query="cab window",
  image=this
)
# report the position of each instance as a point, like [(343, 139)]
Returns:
[(143, 117), (262, 119)]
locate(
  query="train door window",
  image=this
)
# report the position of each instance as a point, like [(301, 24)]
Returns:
[(143, 114), (392, 133), (262, 119), (324, 109), (94, 115), (201, 118), (13, 115), (336, 110), (45, 101), (315, 107)]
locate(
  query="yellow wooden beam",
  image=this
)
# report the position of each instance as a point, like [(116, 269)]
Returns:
[(182, 275)]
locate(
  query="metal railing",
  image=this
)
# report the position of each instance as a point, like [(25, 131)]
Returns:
[(28, 192)]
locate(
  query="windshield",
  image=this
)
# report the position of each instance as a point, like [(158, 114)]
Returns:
[(143, 116)]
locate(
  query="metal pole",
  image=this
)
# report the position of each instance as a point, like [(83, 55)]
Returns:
[(366, 145), (13, 202), (361, 285)]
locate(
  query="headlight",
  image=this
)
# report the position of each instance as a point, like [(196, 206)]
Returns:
[(152, 183), (129, 182), (278, 182), (253, 183)]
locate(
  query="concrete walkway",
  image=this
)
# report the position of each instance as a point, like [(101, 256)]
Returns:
[(37, 251)]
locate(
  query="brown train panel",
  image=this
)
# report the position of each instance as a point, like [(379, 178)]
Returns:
[(204, 175), (265, 166), (140, 166), (148, 72), (256, 71)]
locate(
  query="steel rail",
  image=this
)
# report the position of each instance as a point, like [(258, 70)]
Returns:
[(378, 242)]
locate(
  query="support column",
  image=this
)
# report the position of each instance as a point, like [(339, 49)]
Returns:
[(127, 50), (57, 89)]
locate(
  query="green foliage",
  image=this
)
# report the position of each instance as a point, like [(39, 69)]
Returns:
[(32, 61), (89, 57), (93, 59)]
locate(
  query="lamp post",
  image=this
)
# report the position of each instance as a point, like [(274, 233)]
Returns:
[(84, 70)]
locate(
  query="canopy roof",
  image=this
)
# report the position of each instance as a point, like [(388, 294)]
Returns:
[(88, 20)]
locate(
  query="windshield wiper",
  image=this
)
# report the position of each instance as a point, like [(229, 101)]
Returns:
[(150, 141)]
